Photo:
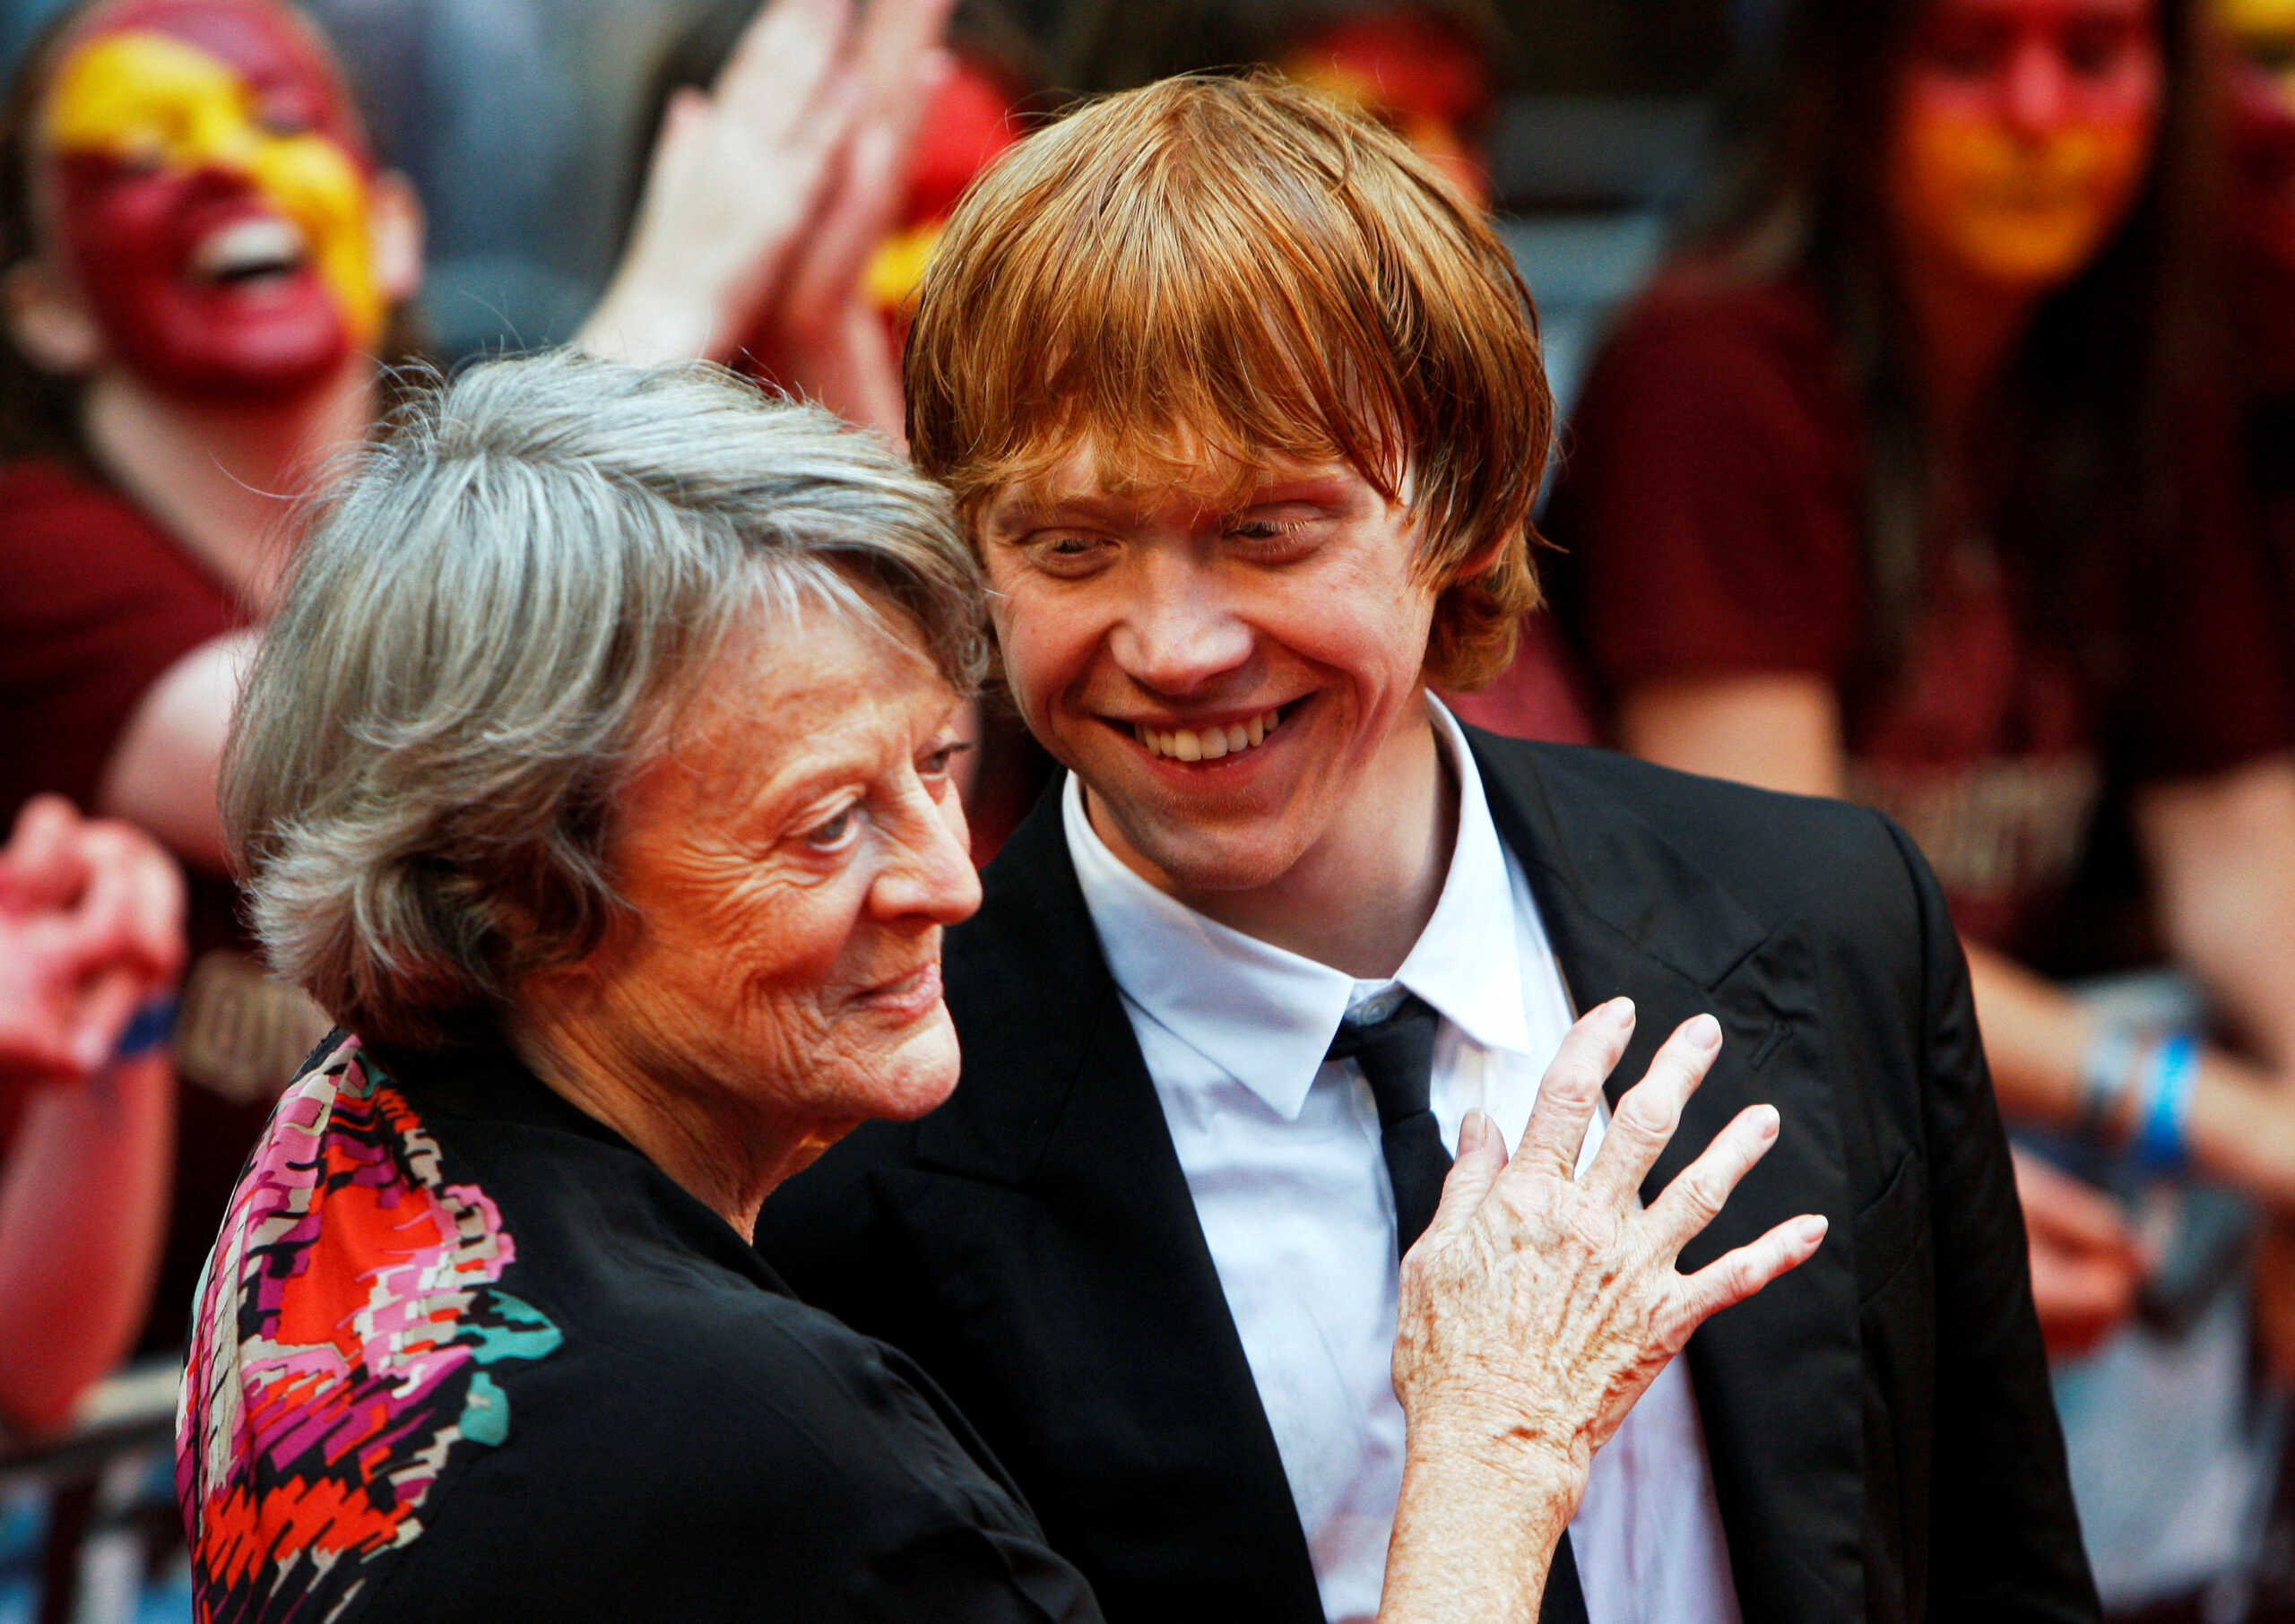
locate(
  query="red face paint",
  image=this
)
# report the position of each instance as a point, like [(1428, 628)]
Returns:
[(1413, 70), (211, 196), (2262, 123), (2023, 132)]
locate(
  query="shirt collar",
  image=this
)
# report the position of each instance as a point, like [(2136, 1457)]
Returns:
[(1265, 1015)]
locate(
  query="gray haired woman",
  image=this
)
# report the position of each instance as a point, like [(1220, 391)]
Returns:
[(596, 776)]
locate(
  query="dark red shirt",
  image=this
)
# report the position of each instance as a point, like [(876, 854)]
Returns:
[(1711, 506), (99, 603)]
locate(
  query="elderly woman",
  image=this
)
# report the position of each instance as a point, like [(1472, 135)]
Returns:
[(596, 776)]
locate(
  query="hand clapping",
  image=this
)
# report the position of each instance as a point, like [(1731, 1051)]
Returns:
[(91, 926)]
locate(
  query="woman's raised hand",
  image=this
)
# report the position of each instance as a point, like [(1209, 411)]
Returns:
[(1540, 1304)]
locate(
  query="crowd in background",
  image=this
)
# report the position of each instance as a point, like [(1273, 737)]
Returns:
[(1945, 460)]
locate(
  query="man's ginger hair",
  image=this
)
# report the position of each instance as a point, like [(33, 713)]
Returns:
[(1238, 269)]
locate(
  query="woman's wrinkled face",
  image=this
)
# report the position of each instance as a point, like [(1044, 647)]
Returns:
[(208, 190), (2022, 131), (791, 863)]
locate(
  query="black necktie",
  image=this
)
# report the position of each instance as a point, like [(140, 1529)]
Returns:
[(1397, 1056)]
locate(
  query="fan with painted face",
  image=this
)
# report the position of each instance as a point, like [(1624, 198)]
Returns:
[(207, 216)]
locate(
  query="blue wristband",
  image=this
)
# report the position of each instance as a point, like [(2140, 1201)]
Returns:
[(2160, 1146), (148, 1028)]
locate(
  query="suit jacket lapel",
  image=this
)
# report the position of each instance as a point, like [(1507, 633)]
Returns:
[(1098, 1258), (1778, 1379)]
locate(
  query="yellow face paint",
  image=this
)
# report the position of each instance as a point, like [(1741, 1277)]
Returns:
[(2243, 18), (2028, 211), (150, 101), (2264, 33)]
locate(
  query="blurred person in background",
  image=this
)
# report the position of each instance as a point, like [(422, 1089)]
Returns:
[(91, 945), (202, 266), (1912, 480), (2262, 126), (1909, 482), (200, 260)]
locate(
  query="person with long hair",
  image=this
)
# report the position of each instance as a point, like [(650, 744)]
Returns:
[(1911, 481)]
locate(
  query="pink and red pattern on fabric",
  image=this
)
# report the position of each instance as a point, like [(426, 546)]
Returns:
[(339, 1354)]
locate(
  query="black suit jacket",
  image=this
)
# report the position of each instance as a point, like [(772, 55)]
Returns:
[(1879, 1423)]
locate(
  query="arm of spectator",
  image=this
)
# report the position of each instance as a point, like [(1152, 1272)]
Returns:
[(2086, 1261), (765, 197), (162, 774), (1779, 730), (826, 338), (2222, 857), (90, 930), (1538, 1307)]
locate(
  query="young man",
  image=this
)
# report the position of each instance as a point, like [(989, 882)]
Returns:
[(1246, 414)]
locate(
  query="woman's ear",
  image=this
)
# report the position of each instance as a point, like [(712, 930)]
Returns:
[(395, 220), (47, 322)]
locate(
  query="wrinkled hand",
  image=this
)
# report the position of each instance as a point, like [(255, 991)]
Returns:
[(2087, 1263), (91, 927), (1539, 1305), (772, 188)]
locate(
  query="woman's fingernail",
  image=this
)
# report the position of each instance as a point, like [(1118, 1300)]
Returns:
[(1812, 1228), (1618, 1012), (1703, 1030)]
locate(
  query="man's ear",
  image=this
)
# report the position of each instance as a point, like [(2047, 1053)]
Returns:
[(46, 321), (395, 217), (1482, 561)]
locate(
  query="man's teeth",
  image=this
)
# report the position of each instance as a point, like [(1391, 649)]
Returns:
[(251, 248), (1208, 744)]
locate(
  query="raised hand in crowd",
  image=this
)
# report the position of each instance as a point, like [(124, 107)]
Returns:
[(766, 195), (91, 936)]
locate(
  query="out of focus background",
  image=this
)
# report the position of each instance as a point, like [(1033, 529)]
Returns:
[(1926, 373), (523, 123)]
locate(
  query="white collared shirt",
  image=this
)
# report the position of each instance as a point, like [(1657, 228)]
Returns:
[(1281, 1152)]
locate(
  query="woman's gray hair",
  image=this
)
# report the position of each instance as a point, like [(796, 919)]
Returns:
[(495, 617)]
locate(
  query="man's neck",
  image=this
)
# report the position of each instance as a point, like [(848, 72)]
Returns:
[(220, 476), (1360, 898)]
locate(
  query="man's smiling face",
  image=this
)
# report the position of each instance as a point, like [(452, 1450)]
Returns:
[(1227, 674)]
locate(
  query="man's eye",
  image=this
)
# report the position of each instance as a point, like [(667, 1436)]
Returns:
[(1270, 540), (1063, 554)]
